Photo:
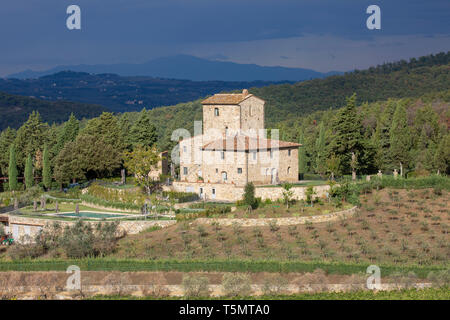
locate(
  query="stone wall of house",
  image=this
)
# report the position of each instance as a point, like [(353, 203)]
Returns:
[(231, 192), (229, 116), (214, 167), (252, 113), (211, 191)]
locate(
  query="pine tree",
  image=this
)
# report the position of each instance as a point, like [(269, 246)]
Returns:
[(68, 133), (46, 170), (6, 139), (29, 172), (347, 138), (143, 132), (301, 156), (400, 139), (30, 137), (12, 169)]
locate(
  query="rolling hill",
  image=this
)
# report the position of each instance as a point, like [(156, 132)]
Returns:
[(14, 110), (117, 93)]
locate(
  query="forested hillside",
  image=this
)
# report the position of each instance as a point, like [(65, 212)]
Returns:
[(406, 127), (14, 110), (119, 94), (392, 80)]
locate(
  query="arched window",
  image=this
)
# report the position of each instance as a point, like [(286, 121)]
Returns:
[(289, 170), (224, 176)]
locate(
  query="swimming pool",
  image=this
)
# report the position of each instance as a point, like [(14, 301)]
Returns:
[(96, 215)]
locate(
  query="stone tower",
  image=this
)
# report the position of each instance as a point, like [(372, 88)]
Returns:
[(228, 114)]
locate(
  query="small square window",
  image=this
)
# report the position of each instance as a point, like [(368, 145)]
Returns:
[(239, 170)]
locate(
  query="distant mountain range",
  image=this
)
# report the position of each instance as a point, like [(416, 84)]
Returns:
[(190, 68)]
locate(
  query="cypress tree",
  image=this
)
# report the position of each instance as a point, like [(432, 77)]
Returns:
[(301, 156), (12, 169), (321, 151), (46, 170), (29, 172), (400, 139)]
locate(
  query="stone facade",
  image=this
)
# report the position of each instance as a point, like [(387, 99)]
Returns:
[(233, 150), (162, 167), (232, 192)]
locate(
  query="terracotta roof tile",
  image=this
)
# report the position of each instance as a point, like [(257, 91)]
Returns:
[(229, 98)]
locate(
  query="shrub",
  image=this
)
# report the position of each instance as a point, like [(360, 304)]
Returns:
[(236, 284), (274, 284), (25, 251), (440, 278), (249, 196), (195, 286)]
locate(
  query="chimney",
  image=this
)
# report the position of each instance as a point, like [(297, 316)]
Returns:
[(245, 92)]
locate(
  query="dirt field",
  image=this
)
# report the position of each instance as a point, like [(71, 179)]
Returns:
[(393, 226)]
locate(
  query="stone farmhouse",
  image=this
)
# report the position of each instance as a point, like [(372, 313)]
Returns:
[(233, 150)]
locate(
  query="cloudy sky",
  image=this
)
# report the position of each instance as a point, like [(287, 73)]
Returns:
[(324, 35)]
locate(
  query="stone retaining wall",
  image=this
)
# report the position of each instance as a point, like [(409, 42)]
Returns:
[(279, 221), (33, 292), (32, 226)]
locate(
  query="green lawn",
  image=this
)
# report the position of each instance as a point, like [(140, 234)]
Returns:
[(134, 265), (64, 208)]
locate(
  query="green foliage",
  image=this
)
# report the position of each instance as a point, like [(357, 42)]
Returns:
[(31, 136), (400, 139), (29, 172), (143, 132), (86, 158), (181, 197), (46, 169), (109, 204), (141, 161), (12, 169), (68, 133), (249, 196), (348, 139), (236, 284), (195, 286), (302, 161), (15, 109), (7, 138)]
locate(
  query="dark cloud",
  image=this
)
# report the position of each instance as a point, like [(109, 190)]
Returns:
[(137, 30)]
